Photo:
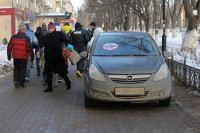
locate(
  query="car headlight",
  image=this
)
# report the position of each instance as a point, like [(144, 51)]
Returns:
[(95, 74), (161, 73)]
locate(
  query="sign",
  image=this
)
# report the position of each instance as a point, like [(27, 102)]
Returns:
[(110, 46), (67, 21)]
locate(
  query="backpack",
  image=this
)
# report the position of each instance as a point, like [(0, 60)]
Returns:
[(68, 34), (65, 54)]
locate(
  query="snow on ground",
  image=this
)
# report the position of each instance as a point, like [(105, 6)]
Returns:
[(5, 65), (174, 46)]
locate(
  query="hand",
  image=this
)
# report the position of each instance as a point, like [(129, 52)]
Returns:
[(9, 57)]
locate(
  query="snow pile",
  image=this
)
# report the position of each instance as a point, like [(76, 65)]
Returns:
[(174, 46), (5, 65)]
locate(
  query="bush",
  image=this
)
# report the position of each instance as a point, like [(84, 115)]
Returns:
[(5, 41)]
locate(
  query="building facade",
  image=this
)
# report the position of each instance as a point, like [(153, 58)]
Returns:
[(14, 12)]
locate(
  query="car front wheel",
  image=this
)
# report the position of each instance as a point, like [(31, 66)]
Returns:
[(165, 102)]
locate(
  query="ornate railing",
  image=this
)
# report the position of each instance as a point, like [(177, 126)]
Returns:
[(188, 75)]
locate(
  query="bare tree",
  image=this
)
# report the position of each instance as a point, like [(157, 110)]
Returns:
[(192, 11)]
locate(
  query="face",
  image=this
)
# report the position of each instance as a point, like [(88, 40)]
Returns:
[(91, 27), (51, 30)]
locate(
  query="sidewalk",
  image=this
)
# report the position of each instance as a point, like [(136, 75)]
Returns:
[(186, 100)]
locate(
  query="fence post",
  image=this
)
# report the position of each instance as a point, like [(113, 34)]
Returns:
[(185, 72)]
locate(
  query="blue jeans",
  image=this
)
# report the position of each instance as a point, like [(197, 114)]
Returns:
[(38, 59)]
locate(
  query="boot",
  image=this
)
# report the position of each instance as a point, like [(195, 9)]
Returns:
[(21, 84), (48, 89), (38, 74), (16, 84), (79, 74), (68, 85)]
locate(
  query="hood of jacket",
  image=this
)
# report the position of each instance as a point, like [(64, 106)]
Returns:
[(97, 31), (66, 28)]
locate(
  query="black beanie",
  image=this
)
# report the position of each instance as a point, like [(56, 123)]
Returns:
[(93, 24)]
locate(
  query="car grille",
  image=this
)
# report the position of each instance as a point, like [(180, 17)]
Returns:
[(129, 79), (131, 97)]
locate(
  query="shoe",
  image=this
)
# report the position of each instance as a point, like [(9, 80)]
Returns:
[(16, 84), (60, 80), (38, 74), (48, 89), (69, 85), (27, 79), (22, 85), (79, 74)]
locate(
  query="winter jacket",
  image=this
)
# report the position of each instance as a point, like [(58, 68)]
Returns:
[(20, 45), (67, 30), (33, 38), (79, 39), (53, 49), (92, 32), (96, 32), (40, 38)]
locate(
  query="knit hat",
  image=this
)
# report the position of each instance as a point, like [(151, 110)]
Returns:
[(51, 25), (78, 26), (22, 27), (93, 24)]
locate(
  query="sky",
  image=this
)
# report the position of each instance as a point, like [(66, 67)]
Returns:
[(77, 3)]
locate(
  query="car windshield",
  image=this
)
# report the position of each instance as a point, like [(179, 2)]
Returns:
[(125, 46)]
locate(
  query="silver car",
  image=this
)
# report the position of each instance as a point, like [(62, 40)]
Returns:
[(126, 67)]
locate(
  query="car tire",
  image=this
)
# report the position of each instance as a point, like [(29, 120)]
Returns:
[(88, 102), (165, 102)]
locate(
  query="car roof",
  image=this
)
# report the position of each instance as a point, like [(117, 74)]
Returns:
[(124, 33)]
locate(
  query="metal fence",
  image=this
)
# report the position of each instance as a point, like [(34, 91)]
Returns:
[(189, 76)]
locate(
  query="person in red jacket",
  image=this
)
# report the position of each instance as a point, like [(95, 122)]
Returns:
[(19, 47)]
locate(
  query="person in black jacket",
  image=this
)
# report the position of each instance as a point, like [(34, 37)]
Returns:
[(54, 61), (92, 26), (79, 39)]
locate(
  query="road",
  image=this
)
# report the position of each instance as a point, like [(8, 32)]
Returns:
[(30, 110)]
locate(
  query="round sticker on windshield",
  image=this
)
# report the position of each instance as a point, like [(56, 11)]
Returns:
[(110, 46)]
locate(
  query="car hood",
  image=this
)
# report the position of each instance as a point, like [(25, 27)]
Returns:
[(127, 64)]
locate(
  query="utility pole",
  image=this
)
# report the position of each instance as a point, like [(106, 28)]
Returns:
[(164, 24)]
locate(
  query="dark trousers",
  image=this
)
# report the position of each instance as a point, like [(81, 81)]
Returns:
[(20, 70), (61, 70), (80, 64)]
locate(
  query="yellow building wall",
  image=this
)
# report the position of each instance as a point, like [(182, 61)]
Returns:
[(5, 29), (5, 3)]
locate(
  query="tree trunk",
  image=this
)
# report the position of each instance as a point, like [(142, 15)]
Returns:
[(174, 28), (156, 20), (191, 37), (140, 24), (127, 19)]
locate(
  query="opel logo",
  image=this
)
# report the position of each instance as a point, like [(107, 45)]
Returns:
[(129, 77)]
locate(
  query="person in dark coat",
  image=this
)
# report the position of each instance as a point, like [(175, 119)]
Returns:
[(79, 39), (19, 46), (92, 26), (54, 61), (40, 37), (44, 29)]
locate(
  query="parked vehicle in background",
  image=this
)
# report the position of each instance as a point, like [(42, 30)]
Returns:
[(126, 67)]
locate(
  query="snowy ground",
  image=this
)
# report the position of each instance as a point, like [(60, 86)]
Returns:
[(173, 45), (5, 65)]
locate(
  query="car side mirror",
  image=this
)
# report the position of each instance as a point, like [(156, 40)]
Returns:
[(167, 54), (83, 54)]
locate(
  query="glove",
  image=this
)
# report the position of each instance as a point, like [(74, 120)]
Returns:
[(32, 58), (9, 57)]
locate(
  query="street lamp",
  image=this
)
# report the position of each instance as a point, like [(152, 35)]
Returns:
[(164, 36)]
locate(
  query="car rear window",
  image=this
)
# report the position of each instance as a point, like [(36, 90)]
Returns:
[(125, 45)]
